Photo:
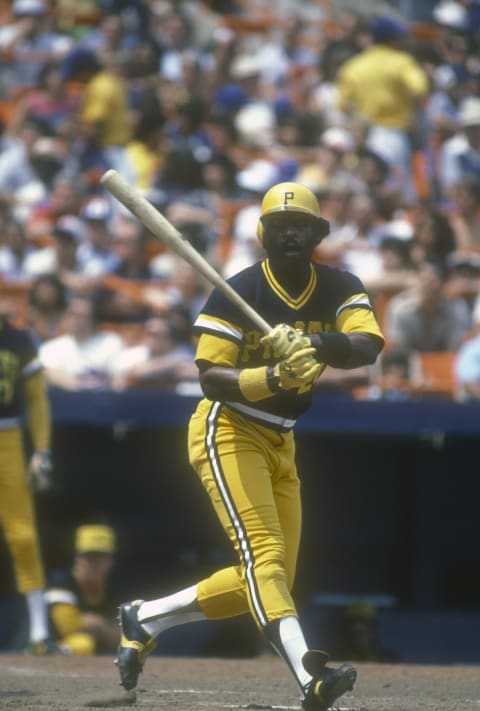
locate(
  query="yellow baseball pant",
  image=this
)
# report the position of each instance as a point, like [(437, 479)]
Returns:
[(17, 515), (250, 476)]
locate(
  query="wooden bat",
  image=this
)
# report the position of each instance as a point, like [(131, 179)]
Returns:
[(163, 230)]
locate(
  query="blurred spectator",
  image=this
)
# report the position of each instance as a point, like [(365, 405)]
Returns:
[(394, 382), (162, 360), (459, 156), (396, 85), (373, 173), (451, 84), (335, 203), (464, 215), (47, 301), (329, 162), (433, 236), (81, 358), (29, 165), (144, 150), (396, 271), (14, 252), (122, 298), (64, 198), (424, 318), (50, 101), (95, 254), (351, 37), (81, 600), (60, 255), (108, 38), (463, 278), (103, 122), (467, 361), (187, 287), (173, 33), (28, 43), (246, 248), (357, 250)]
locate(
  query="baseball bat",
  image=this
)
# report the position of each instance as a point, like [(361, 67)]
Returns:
[(163, 230)]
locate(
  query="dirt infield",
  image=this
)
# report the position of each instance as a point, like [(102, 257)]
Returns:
[(186, 684)]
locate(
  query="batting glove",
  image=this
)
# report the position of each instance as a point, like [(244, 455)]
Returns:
[(285, 340), (40, 470), (298, 370)]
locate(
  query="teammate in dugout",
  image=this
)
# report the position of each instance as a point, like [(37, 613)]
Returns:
[(22, 390), (241, 442)]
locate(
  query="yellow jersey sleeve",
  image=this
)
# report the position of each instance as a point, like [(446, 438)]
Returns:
[(217, 350)]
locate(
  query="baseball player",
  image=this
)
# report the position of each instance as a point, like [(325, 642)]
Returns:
[(81, 597), (241, 442), (22, 389)]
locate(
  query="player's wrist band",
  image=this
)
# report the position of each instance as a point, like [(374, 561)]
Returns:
[(253, 384), (273, 380)]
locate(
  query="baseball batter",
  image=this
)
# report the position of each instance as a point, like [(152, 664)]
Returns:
[(22, 389), (241, 440)]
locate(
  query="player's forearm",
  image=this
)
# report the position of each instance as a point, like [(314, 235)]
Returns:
[(346, 350), (38, 411), (221, 383)]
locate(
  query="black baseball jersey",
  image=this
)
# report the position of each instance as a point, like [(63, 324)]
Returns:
[(332, 301), (18, 360), (63, 588)]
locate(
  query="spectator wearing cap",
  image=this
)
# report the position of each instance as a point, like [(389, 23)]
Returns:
[(459, 156), (103, 120), (28, 43), (384, 85), (81, 598)]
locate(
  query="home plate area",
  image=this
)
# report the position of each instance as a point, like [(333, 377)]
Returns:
[(194, 684)]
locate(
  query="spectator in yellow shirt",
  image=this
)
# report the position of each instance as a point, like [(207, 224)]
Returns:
[(104, 122), (383, 85)]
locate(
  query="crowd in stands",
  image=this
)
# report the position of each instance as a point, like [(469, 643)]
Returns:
[(203, 106)]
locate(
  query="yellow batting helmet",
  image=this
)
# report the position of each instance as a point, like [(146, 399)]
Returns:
[(292, 197)]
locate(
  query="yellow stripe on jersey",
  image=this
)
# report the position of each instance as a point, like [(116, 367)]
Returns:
[(218, 350), (217, 325), (283, 294)]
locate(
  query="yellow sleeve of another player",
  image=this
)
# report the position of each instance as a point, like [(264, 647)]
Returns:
[(38, 410), (215, 349)]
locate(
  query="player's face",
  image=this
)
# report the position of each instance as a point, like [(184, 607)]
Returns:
[(289, 239)]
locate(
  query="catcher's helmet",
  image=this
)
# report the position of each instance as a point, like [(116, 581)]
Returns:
[(292, 197)]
